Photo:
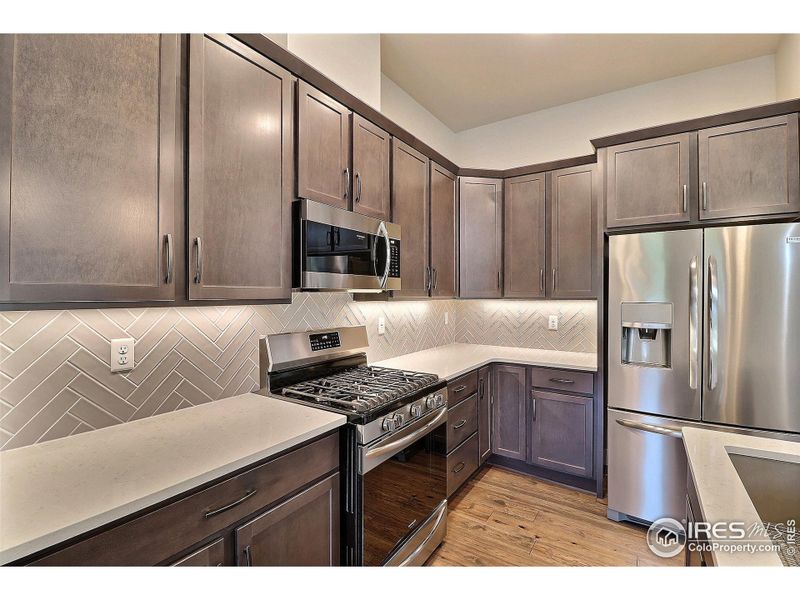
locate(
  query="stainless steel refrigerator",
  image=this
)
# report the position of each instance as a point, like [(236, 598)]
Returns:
[(703, 329)]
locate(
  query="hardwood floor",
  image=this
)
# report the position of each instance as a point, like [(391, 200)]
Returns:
[(504, 518)]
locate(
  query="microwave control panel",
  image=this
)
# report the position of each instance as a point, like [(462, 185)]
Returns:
[(394, 258)]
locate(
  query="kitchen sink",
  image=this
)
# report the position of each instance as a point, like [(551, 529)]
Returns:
[(772, 481)]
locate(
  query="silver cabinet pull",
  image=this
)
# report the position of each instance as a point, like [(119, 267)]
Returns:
[(704, 194), (541, 280), (685, 198), (533, 406), (346, 182), (562, 380), (198, 271), (660, 429), (248, 556), (459, 389), (554, 278), (459, 467), (694, 318), (498, 280), (214, 512), (713, 322), (357, 192), (435, 276), (428, 279), (170, 258), (460, 424)]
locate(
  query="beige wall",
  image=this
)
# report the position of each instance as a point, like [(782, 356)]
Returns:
[(787, 67), (564, 131)]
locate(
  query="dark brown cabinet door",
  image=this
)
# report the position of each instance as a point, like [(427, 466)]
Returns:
[(302, 531), (525, 237), (211, 555), (509, 426), (749, 168), (323, 148), (88, 135), (561, 435), (573, 232), (649, 181), (485, 394), (240, 173), (443, 232), (480, 237), (410, 210), (371, 146)]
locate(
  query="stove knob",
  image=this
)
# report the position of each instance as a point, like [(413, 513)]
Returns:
[(388, 424), (430, 402), (416, 410), (398, 420), (439, 400)]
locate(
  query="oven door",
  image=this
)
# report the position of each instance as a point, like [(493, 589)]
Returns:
[(404, 488)]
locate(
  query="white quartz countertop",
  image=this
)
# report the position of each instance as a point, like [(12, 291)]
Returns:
[(453, 360), (56, 490), (721, 494)]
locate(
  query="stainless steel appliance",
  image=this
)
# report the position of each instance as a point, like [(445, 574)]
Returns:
[(394, 460), (339, 250), (703, 330)]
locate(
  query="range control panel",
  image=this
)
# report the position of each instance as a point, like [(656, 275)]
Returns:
[(394, 258), (324, 341)]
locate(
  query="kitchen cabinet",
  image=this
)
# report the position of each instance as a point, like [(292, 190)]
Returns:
[(444, 245), (561, 434), (648, 181), (573, 232), (749, 168), (525, 243), (240, 173), (461, 464), (371, 149), (480, 237), (485, 399), (323, 148), (509, 421), (276, 502), (462, 430), (411, 210), (210, 555), (303, 531), (462, 421), (89, 168)]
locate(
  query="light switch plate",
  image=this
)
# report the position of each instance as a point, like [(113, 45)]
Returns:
[(381, 325), (552, 322), (122, 355)]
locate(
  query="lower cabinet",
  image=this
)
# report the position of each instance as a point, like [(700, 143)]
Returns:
[(462, 430), (485, 396), (461, 464), (210, 555), (561, 432), (509, 423)]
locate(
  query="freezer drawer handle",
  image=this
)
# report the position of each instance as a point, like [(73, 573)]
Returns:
[(659, 429)]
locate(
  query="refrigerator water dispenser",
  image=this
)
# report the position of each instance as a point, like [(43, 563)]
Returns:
[(646, 333)]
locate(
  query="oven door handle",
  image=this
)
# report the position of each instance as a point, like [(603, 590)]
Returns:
[(372, 456)]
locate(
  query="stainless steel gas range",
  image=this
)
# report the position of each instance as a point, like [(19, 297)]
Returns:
[(394, 462)]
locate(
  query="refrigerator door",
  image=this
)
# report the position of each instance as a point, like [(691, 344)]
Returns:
[(654, 322), (751, 357)]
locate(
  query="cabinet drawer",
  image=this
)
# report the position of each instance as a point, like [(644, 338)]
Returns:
[(461, 388), (462, 421), (461, 463), (557, 379), (155, 536), (210, 555)]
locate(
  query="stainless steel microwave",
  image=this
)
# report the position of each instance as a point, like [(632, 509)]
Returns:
[(338, 250)]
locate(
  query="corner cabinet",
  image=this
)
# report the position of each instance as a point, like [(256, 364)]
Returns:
[(480, 237), (240, 173), (525, 240), (89, 168), (444, 223), (509, 424)]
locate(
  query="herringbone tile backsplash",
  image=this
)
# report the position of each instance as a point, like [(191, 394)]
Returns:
[(54, 365)]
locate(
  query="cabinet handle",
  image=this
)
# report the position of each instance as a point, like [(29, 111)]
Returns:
[(541, 280), (357, 194), (498, 280), (561, 380), (685, 198), (460, 424), (459, 467), (459, 389), (533, 406), (248, 556), (214, 512), (704, 193), (198, 272), (346, 182), (170, 258), (435, 277), (554, 278)]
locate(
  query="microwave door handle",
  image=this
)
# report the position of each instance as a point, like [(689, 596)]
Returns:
[(382, 232)]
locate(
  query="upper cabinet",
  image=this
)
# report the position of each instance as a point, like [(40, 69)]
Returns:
[(649, 181), (525, 237), (240, 173), (371, 146), (410, 210), (323, 148), (749, 168), (90, 193), (480, 237), (444, 249), (573, 231)]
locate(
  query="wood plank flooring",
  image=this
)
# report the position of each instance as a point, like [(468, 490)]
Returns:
[(502, 518)]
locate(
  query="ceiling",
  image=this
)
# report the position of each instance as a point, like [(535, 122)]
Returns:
[(468, 80)]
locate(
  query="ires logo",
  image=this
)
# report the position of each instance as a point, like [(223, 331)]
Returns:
[(721, 531)]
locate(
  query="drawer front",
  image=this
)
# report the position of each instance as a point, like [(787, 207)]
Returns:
[(462, 421), (461, 463), (210, 555), (461, 388), (155, 536), (577, 382)]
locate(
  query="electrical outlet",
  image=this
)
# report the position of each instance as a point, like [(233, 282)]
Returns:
[(122, 355), (446, 318), (381, 325), (552, 322)]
